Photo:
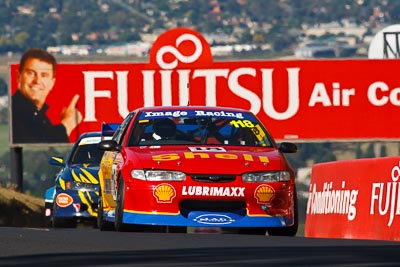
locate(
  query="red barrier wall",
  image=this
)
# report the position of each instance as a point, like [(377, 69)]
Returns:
[(355, 199)]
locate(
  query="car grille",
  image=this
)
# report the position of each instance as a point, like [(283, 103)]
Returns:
[(213, 178), (186, 206)]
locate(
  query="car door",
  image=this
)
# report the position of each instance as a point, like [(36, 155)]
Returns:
[(117, 161)]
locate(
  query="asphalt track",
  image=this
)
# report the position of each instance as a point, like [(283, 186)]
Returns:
[(91, 247)]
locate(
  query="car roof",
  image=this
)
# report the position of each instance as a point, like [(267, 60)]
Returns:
[(89, 134), (166, 108)]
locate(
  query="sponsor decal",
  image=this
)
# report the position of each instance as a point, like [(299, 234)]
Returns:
[(207, 149), (164, 193), (258, 132), (77, 207), (194, 113), (90, 140), (162, 114), (221, 113), (214, 219), (264, 194), (63, 200), (332, 201), (213, 191), (391, 203)]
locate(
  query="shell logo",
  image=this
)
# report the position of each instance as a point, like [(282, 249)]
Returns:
[(64, 200), (264, 193), (164, 193)]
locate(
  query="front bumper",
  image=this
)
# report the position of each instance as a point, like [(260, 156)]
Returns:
[(207, 219), (75, 204), (205, 205)]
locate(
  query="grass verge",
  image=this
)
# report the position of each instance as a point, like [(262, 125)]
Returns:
[(20, 210)]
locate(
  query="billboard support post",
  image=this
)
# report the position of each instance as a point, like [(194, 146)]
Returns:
[(16, 169)]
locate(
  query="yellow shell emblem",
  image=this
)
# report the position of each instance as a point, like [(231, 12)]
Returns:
[(164, 193), (264, 193)]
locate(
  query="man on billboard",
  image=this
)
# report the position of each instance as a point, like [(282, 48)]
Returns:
[(30, 124)]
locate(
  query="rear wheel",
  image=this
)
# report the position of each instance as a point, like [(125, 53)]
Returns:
[(102, 224), (119, 210)]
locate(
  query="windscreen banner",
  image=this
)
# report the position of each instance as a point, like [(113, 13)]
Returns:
[(298, 100), (355, 199)]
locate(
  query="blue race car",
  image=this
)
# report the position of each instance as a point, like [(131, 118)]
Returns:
[(74, 197)]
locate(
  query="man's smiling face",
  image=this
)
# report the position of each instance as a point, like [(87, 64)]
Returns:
[(36, 81)]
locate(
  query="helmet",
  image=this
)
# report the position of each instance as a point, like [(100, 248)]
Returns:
[(164, 128)]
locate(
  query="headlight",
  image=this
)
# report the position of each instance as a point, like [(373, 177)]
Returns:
[(272, 176), (157, 175), (81, 186)]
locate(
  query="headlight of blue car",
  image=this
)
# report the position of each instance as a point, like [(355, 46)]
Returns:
[(270, 176)]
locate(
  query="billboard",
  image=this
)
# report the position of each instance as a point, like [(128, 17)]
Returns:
[(355, 199), (298, 100)]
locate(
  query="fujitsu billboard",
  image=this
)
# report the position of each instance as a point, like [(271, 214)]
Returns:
[(298, 100)]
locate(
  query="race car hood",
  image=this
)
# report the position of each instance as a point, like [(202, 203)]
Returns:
[(193, 159), (87, 173)]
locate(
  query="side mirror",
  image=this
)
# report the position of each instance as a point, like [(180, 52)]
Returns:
[(287, 147), (108, 145), (57, 161)]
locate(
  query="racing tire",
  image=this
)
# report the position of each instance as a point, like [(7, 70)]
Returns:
[(63, 222), (253, 231), (119, 210), (290, 230), (102, 224), (176, 229)]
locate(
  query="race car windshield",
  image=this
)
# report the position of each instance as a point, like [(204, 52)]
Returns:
[(207, 130), (87, 154)]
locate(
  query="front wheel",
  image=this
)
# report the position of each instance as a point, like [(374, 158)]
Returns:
[(102, 224), (290, 230), (253, 231), (63, 222), (119, 210)]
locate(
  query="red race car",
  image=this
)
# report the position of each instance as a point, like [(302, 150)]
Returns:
[(195, 166)]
